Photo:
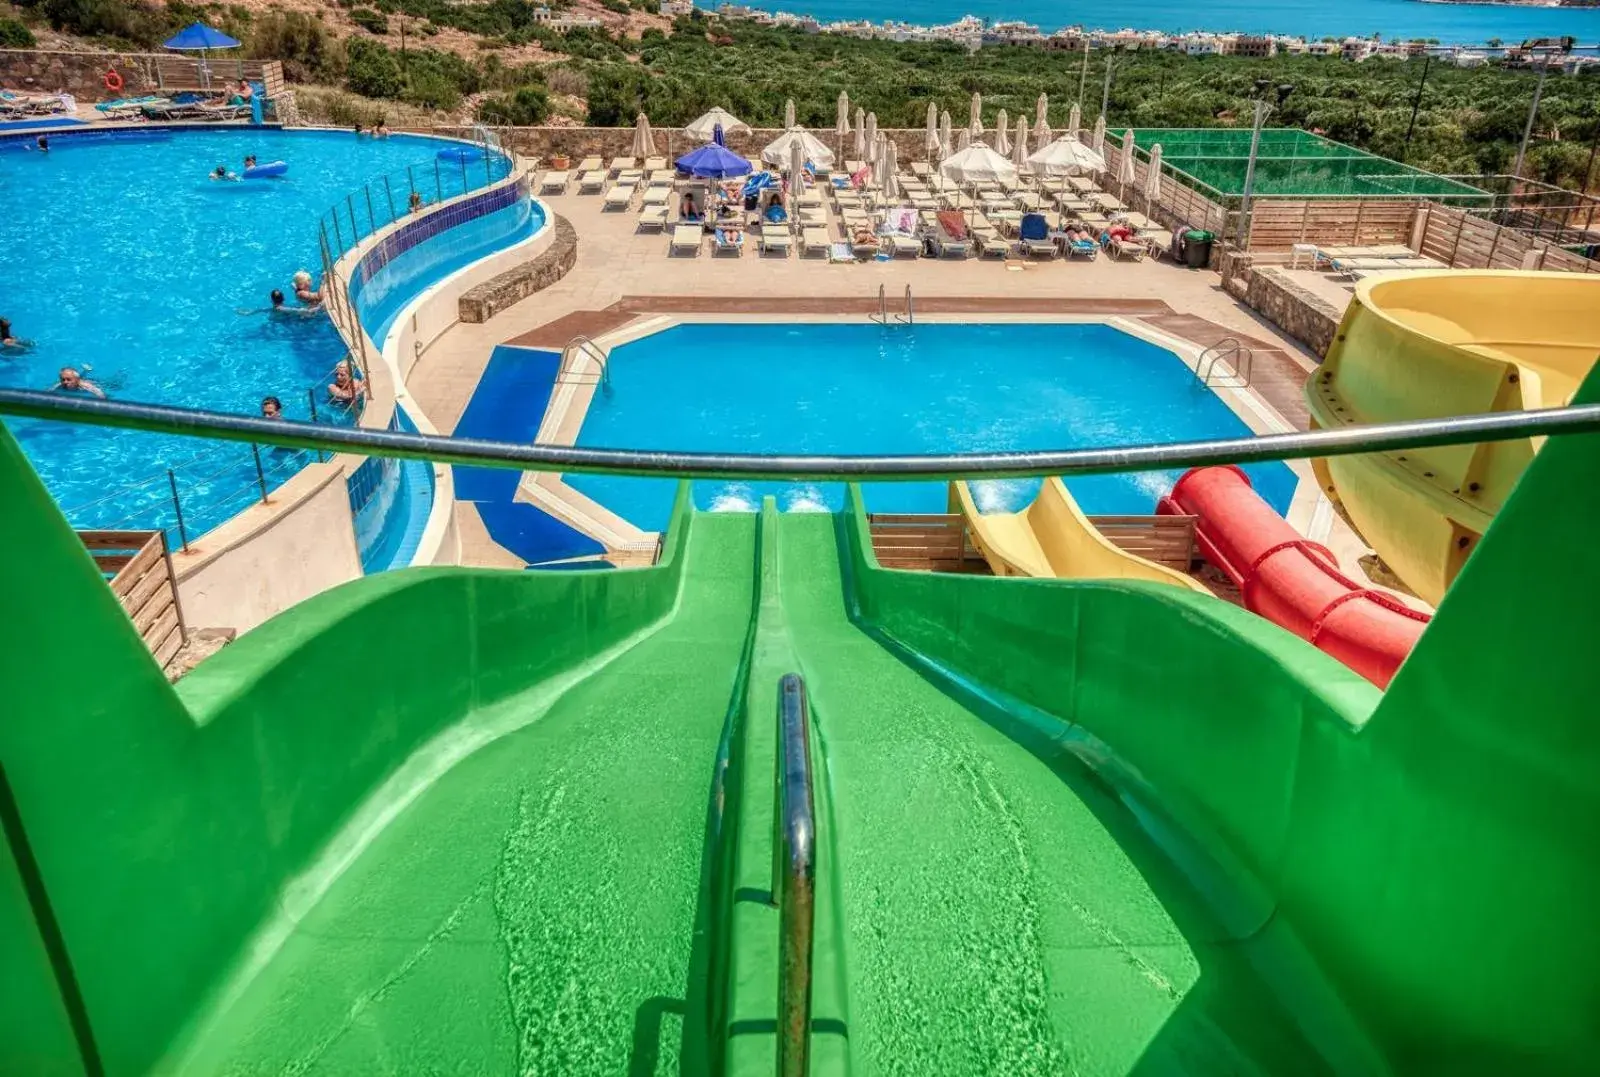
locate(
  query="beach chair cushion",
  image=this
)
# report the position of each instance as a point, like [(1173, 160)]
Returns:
[(653, 218), (619, 197), (686, 237), (555, 181)]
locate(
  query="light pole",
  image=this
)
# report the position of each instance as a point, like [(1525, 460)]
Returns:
[(1416, 105), (1083, 74), (1262, 108), (1105, 93), (1533, 112)]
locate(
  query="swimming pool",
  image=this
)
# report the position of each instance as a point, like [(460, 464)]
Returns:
[(119, 254), (929, 388)]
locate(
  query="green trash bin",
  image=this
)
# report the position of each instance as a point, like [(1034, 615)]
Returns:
[(1197, 248)]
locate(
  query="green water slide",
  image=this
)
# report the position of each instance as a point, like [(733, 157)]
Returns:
[(467, 821)]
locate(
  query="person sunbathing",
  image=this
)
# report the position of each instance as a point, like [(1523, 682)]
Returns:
[(729, 237), (864, 236)]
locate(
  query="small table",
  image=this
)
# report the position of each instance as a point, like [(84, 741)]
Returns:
[(1307, 249)]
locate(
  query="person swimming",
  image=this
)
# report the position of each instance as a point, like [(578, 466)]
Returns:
[(10, 344), (416, 202), (43, 143), (271, 408), (381, 130), (222, 173), (250, 161), (303, 290), (73, 382), (345, 389)]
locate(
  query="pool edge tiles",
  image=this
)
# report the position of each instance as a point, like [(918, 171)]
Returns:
[(568, 408)]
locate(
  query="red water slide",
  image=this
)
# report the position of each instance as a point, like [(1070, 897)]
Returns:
[(1289, 580)]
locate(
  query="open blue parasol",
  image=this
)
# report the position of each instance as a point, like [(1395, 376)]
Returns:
[(713, 160), (202, 39)]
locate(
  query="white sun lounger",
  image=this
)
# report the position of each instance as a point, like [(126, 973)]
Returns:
[(622, 164), (591, 182), (901, 245), (653, 219), (589, 164), (555, 183), (619, 197), (814, 240), (655, 164), (686, 237), (657, 196), (991, 244), (775, 237)]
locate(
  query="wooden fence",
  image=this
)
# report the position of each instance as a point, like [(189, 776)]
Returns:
[(1166, 540), (1177, 204), (139, 569), (1277, 224), (938, 542), (1462, 240)]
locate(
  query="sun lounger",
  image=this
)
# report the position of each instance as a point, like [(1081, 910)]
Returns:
[(992, 244), (1419, 263), (1133, 249), (775, 237), (812, 197), (853, 167), (863, 242), (921, 168), (619, 197), (591, 182), (655, 164), (653, 219), (589, 164), (814, 240), (686, 237), (950, 235), (555, 182), (1159, 240), (656, 196), (1034, 235), (901, 245), (630, 177), (622, 164), (1083, 248), (727, 241)]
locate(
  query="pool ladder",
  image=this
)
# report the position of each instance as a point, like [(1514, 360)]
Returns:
[(1240, 358), (882, 317), (571, 371)]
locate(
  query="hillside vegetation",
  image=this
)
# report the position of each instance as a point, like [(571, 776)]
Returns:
[(497, 61)]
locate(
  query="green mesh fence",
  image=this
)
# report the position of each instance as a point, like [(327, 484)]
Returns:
[(1294, 163)]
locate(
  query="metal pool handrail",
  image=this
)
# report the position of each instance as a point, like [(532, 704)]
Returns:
[(794, 875), (1378, 437)]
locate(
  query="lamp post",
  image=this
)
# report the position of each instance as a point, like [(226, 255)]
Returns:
[(1533, 112), (1262, 107), (1416, 105), (1083, 73), (1105, 92)]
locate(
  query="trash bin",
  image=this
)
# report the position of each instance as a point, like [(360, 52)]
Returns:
[(1197, 248)]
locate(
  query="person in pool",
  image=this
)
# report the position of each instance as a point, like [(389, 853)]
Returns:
[(250, 161), (271, 408), (303, 290), (73, 382), (221, 173), (344, 389), (7, 340), (43, 143), (416, 202), (381, 130)]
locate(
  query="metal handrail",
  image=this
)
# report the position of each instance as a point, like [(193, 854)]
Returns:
[(882, 317), (582, 345), (911, 314), (1241, 358), (1341, 441), (794, 875)]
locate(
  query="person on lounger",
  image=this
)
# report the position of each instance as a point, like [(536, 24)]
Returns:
[(729, 237), (73, 382), (687, 210)]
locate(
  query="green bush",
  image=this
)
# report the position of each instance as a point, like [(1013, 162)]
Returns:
[(527, 107), (618, 6), (14, 35), (373, 22), (300, 41), (133, 21), (371, 69), (430, 89)]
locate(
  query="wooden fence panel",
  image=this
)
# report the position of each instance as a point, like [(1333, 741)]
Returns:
[(1277, 224), (1464, 241), (140, 575)]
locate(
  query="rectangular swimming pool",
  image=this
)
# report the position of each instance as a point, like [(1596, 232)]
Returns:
[(930, 388)]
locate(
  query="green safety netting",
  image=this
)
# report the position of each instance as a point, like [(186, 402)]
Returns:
[(1295, 163)]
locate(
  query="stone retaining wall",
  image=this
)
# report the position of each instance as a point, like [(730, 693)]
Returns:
[(479, 304), (1303, 315), (608, 142), (81, 73)]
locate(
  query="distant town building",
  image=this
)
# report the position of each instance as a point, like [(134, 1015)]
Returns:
[(545, 17), (677, 8), (1468, 58), (1355, 49), (1255, 46)]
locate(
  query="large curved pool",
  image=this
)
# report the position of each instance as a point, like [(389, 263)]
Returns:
[(120, 255)]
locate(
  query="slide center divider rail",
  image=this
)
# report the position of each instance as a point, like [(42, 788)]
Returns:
[(1377, 437), (794, 875)]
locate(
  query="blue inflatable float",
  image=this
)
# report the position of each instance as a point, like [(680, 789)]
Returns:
[(460, 153), (266, 171)]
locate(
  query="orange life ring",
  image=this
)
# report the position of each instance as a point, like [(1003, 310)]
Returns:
[(112, 80)]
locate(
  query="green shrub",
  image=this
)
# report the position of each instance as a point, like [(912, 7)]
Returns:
[(619, 6), (371, 69), (14, 35), (528, 106), (300, 41), (430, 89), (373, 22)]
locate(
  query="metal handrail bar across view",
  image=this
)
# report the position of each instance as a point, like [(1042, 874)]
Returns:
[(1377, 437), (794, 875)]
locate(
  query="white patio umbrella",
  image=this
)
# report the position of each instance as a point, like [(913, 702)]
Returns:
[(946, 143), (1002, 132), (975, 122), (841, 125), (931, 143), (1066, 155), (872, 129), (644, 140), (780, 149), (788, 114), (965, 138), (1074, 121), (862, 148), (1125, 165), (797, 179), (1019, 148), (891, 166), (1152, 179), (1097, 142), (704, 128), (977, 164), (1041, 119)]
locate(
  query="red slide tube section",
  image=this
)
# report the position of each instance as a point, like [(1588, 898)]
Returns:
[(1290, 580)]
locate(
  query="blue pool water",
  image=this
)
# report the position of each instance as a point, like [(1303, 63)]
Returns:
[(119, 254), (861, 388)]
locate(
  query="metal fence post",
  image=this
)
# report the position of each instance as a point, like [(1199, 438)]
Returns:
[(261, 476), (177, 508), (371, 216), (438, 182), (463, 161), (389, 192), (355, 232), (338, 236)]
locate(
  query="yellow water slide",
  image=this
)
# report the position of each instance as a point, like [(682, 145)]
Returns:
[(1053, 538), (1431, 344)]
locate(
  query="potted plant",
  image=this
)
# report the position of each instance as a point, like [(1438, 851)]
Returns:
[(560, 162)]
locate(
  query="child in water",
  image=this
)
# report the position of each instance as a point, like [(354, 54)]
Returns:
[(222, 173)]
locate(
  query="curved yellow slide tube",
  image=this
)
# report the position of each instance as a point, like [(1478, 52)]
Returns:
[(1053, 538), (1431, 344)]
